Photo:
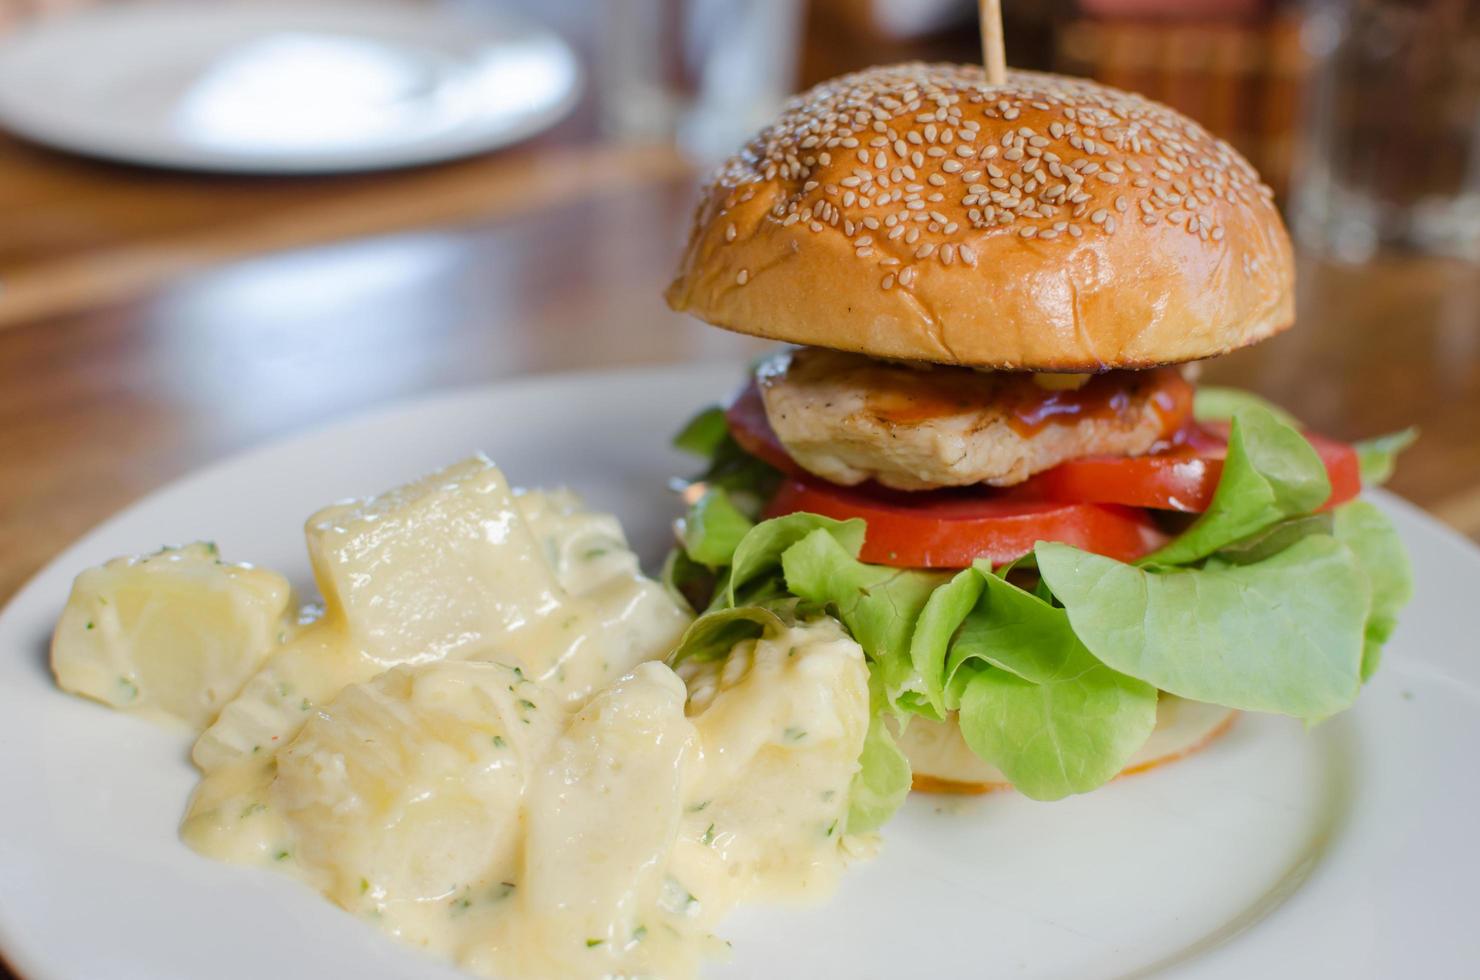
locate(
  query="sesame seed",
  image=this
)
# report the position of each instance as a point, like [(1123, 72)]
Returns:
[(888, 282), (1038, 177), (742, 277)]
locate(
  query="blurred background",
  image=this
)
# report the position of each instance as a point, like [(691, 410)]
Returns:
[(223, 221)]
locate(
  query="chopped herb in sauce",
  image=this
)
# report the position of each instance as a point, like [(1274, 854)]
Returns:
[(794, 734), (832, 828), (252, 808), (697, 807), (128, 689), (591, 554), (528, 705), (89, 625), (498, 741), (639, 934), (305, 706), (501, 891), (675, 897), (282, 856), (708, 837), (364, 885), (594, 942)]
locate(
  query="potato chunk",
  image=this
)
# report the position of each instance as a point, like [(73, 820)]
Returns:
[(406, 789), (173, 634)]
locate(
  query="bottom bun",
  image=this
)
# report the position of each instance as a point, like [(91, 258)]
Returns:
[(943, 763)]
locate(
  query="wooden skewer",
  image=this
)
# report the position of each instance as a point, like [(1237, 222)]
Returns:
[(994, 55)]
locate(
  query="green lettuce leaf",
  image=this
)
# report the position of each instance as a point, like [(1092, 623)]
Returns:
[(759, 552), (713, 529), (1275, 538), (1211, 403), (944, 612), (704, 433), (1271, 473), (713, 634), (883, 778), (1372, 538), (1377, 457), (879, 605), (686, 581), (1035, 703), (750, 481), (1283, 635)]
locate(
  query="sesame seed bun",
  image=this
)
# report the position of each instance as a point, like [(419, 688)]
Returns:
[(942, 762), (1049, 224)]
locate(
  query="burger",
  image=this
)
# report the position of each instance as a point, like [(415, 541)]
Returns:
[(982, 446)]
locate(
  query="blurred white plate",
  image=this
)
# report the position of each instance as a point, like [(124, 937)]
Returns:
[(1347, 851), (280, 87)]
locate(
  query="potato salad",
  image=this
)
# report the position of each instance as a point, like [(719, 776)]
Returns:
[(474, 739)]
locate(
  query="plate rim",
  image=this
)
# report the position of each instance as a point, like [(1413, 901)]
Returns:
[(18, 119)]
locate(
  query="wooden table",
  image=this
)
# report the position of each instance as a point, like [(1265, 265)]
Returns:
[(150, 323)]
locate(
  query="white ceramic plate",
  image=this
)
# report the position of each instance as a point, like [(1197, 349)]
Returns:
[(273, 86), (1346, 851)]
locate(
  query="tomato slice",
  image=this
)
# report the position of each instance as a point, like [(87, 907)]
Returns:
[(953, 528), (1180, 477)]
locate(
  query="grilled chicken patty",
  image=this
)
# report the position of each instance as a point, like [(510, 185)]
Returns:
[(850, 418)]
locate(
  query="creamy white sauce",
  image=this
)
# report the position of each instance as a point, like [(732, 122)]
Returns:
[(476, 747)]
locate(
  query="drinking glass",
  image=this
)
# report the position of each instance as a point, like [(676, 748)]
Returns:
[(704, 73), (1393, 128)]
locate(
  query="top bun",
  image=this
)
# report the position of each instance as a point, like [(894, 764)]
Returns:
[(1048, 224)]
